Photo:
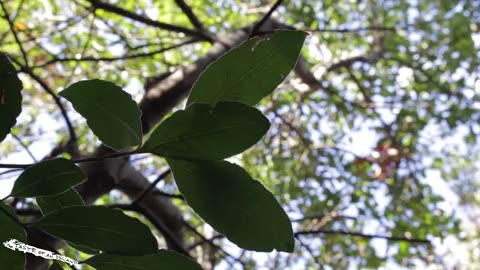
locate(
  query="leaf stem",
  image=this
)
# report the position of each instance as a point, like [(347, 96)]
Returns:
[(78, 161)]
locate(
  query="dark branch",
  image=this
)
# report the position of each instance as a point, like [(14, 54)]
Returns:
[(169, 27), (24, 146), (189, 13), (150, 187), (27, 70), (354, 30), (85, 160), (125, 57), (164, 230), (12, 28), (211, 243), (267, 16), (154, 192), (369, 236)]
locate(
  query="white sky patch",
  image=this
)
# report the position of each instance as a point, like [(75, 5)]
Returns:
[(14, 245), (405, 76)]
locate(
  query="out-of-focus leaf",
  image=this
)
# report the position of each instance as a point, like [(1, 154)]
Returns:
[(10, 96)]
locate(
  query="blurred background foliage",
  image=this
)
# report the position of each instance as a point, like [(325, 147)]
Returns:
[(385, 146)]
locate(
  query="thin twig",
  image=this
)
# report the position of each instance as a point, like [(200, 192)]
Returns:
[(9, 171), (29, 71), (354, 30), (369, 236), (210, 242), (258, 25), (139, 18), (12, 28), (187, 10), (309, 250), (150, 187), (165, 231), (125, 57), (154, 192), (84, 160), (24, 146)]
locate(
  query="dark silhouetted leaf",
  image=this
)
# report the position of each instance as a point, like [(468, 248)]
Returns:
[(204, 133), (234, 204), (68, 198), (10, 96), (164, 259), (54, 202), (110, 112), (48, 178), (51, 203), (251, 71), (55, 266), (9, 229), (83, 248), (100, 228)]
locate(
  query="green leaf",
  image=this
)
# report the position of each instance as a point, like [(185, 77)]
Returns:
[(110, 112), (83, 248), (11, 229), (251, 71), (163, 259), (100, 228), (55, 266), (234, 204), (49, 204), (10, 96), (48, 177), (68, 198), (201, 132)]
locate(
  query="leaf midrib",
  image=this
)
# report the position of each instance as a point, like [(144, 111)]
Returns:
[(44, 180), (249, 71), (200, 134)]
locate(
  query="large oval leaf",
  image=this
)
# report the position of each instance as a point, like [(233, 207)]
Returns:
[(68, 198), (48, 177), (10, 229), (162, 260), (251, 71), (201, 132), (110, 112), (10, 96), (100, 228), (234, 204)]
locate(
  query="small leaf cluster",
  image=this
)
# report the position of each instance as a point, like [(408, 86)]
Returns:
[(219, 121)]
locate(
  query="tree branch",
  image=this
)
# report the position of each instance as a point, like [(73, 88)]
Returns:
[(189, 13), (169, 27), (142, 194), (257, 26), (63, 111), (165, 231), (12, 28), (368, 236), (125, 57)]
